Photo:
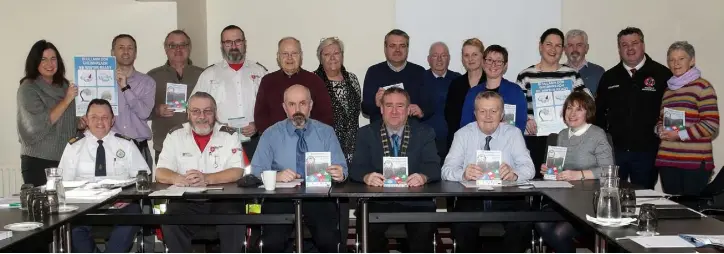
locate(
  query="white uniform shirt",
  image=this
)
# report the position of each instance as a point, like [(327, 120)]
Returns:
[(123, 159), (234, 91), (181, 153)]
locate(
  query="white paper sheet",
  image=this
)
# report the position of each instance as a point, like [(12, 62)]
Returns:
[(174, 188), (290, 184), (74, 184), (167, 193), (650, 193), (655, 201), (551, 184), (661, 241)]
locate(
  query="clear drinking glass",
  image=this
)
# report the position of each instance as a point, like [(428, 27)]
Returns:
[(628, 202), (609, 171), (648, 220), (55, 182), (143, 181), (25, 190)]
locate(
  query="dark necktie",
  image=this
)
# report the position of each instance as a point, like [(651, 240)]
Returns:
[(100, 159), (633, 72), (301, 149), (487, 143), (395, 145)]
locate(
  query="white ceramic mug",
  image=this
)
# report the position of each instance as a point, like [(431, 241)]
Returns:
[(269, 178)]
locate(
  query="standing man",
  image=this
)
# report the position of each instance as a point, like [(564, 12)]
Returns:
[(177, 70), (576, 50), (198, 153), (271, 91), (627, 106), (282, 148), (396, 70), (136, 92), (234, 84), (438, 79)]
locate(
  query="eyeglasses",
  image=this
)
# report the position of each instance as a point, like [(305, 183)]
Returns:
[(288, 54), (440, 56), (197, 112), (178, 46), (489, 61), (229, 43)]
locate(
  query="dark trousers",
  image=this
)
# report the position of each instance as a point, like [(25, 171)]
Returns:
[(467, 235), (679, 181), (33, 169), (557, 235), (419, 235), (120, 240), (320, 216), (638, 166), (250, 146), (537, 147), (178, 237)]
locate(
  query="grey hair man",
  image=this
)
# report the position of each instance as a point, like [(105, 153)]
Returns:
[(437, 80), (576, 48)]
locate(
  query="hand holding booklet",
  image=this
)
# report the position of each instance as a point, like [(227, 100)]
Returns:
[(395, 172), (489, 162), (316, 169)]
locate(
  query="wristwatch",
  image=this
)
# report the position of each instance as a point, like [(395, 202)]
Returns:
[(126, 88)]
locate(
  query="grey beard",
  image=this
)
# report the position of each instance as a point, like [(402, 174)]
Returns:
[(231, 56), (202, 131), (299, 119)]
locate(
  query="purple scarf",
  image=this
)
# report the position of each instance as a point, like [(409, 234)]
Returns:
[(678, 82)]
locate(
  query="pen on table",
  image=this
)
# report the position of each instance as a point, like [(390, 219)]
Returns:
[(11, 205)]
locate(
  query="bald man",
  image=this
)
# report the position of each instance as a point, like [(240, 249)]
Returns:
[(276, 152), (437, 80), (273, 85)]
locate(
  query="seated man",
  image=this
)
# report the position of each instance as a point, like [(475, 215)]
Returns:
[(101, 153), (199, 153), (396, 135), (282, 148), (488, 133)]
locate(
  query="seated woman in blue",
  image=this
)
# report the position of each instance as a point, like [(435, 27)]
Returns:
[(587, 150), (495, 64)]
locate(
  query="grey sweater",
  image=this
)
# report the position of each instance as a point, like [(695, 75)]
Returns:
[(38, 137), (588, 151)]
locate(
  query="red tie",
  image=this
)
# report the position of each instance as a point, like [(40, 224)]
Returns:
[(633, 71)]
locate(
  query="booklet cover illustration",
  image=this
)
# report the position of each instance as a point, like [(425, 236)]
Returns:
[(555, 160), (315, 168), (394, 170), (489, 162), (509, 116), (674, 120)]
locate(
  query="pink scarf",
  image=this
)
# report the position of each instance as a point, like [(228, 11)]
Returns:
[(678, 82)]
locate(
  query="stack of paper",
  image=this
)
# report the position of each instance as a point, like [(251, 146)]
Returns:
[(291, 184), (5, 235), (650, 193), (655, 201), (74, 184), (702, 240)]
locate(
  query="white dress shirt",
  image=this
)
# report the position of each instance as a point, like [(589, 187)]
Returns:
[(469, 139), (181, 153), (234, 91), (638, 66), (123, 159)]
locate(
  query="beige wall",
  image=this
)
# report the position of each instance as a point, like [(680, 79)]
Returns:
[(663, 21), (76, 27), (360, 24)]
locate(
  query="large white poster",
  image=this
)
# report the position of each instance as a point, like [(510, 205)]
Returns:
[(513, 24)]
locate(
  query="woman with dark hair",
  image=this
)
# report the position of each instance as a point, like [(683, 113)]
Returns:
[(587, 150), (45, 112), (344, 90)]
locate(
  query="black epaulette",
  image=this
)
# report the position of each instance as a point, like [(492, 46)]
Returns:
[(208, 67), (262, 66), (122, 136), (177, 127), (227, 129), (76, 138)]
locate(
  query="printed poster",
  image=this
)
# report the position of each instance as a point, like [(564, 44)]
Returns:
[(96, 79), (548, 99)]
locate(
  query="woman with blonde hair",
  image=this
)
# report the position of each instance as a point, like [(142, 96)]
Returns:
[(472, 58)]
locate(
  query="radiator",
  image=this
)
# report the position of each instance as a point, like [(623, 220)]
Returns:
[(11, 179)]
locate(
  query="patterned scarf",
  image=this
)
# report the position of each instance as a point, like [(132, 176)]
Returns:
[(386, 146), (354, 103)]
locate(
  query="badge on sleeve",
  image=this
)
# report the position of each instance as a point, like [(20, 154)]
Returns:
[(120, 153)]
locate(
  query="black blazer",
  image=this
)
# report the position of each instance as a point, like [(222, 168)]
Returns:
[(421, 152)]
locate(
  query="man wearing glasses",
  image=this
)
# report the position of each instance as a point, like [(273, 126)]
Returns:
[(234, 84), (177, 72), (198, 153)]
